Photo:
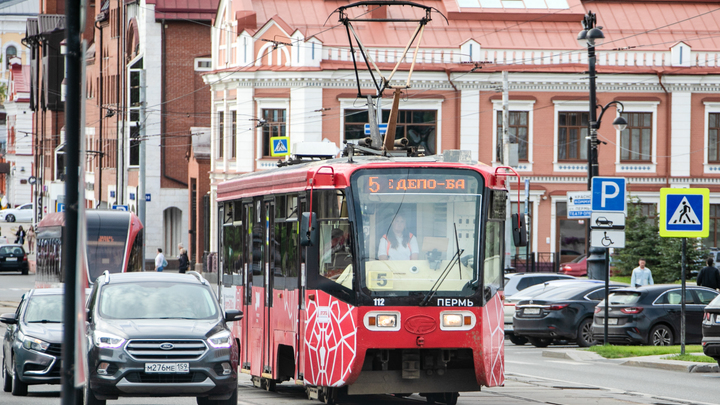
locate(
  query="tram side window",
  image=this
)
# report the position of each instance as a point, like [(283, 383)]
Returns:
[(335, 241), (135, 262), (233, 249), (492, 266)]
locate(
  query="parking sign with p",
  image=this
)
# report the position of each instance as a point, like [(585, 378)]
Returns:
[(608, 194)]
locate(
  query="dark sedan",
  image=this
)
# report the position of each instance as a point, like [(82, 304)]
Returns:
[(711, 330), (31, 349), (564, 313), (13, 258), (652, 315)]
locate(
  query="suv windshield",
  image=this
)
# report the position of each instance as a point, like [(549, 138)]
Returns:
[(44, 308), (157, 300), (413, 223)]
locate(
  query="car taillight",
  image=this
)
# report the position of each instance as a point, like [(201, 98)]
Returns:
[(24, 258), (598, 309), (707, 317), (555, 307), (509, 304), (566, 268), (632, 310)]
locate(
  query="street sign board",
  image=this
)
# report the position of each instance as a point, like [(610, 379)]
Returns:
[(608, 194), (578, 204), (684, 212), (280, 146), (60, 207), (607, 220), (607, 238), (148, 197), (120, 207), (381, 127)]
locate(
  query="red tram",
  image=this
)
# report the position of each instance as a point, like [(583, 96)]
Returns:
[(367, 275), (114, 243)]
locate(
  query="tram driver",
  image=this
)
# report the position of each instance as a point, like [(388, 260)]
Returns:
[(398, 243)]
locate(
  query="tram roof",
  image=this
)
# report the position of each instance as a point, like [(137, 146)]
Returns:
[(58, 218), (296, 177)]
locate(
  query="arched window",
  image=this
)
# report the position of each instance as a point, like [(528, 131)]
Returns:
[(10, 52)]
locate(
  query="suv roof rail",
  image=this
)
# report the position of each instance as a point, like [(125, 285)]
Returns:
[(106, 273), (198, 276)]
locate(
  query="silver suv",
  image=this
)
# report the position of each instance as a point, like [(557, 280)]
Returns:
[(160, 334)]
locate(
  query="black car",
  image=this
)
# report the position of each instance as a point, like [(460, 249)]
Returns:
[(31, 348), (652, 315), (564, 313), (711, 330), (160, 334), (13, 258)]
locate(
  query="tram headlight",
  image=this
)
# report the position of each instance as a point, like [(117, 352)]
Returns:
[(386, 321), (452, 320)]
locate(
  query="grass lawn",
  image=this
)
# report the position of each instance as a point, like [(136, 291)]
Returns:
[(616, 352), (690, 357), (621, 279)]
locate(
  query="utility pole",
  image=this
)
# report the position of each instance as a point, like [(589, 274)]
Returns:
[(505, 105), (141, 179)]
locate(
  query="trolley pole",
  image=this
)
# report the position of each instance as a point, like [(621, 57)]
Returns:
[(73, 114), (141, 177)]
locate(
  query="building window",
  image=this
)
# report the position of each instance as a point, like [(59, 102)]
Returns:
[(10, 52), (418, 126), (221, 133), (714, 138), (517, 131), (203, 64), (572, 131), (135, 145), (712, 239), (636, 140), (233, 135), (273, 125)]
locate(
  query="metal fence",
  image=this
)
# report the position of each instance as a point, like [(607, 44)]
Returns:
[(535, 262)]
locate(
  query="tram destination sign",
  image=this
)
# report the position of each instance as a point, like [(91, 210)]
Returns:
[(432, 183)]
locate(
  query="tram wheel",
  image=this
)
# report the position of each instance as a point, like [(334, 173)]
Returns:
[(450, 398), (269, 385), (328, 396)]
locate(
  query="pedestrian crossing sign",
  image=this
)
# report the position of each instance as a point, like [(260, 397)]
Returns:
[(279, 146), (684, 212)]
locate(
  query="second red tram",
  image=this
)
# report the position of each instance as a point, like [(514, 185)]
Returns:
[(391, 285)]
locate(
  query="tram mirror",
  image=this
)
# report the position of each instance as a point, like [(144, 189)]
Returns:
[(308, 229), (519, 232)]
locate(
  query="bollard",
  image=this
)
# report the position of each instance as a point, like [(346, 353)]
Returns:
[(596, 264)]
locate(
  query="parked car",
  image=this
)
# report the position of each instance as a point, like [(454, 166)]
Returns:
[(651, 315), (31, 348), (711, 330), (515, 282), (13, 258), (23, 213), (577, 267), (564, 313), (511, 301), (160, 334)]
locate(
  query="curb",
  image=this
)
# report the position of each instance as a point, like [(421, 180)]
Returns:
[(572, 354)]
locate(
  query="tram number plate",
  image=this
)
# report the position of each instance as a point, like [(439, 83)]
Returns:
[(612, 321), (380, 280), (11, 259), (531, 311), (167, 367)]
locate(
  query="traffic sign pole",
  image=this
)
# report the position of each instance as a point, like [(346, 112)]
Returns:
[(682, 306)]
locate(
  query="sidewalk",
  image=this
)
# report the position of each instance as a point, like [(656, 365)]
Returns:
[(641, 361)]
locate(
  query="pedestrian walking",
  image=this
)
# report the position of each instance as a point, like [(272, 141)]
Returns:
[(160, 262), (31, 239), (641, 275), (183, 260), (709, 276), (20, 236)]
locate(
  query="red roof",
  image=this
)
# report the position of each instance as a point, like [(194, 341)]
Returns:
[(20, 78), (185, 9)]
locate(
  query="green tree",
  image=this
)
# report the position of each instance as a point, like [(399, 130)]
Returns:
[(662, 255)]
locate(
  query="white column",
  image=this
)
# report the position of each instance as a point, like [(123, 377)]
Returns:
[(470, 121), (305, 116), (246, 129), (680, 134)]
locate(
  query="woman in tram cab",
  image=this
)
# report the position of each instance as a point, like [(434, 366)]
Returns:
[(398, 243)]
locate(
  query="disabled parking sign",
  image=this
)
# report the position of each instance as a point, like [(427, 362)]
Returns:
[(684, 212)]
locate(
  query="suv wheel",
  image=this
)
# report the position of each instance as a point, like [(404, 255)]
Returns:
[(584, 334), (7, 379), (233, 400), (90, 398), (518, 340), (661, 335)]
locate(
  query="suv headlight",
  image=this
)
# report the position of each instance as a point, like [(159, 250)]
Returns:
[(221, 340), (31, 343), (107, 340)]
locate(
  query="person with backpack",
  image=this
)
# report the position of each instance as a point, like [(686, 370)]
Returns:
[(160, 262), (709, 276)]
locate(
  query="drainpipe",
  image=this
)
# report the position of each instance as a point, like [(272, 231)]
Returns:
[(457, 109), (163, 107), (668, 126), (101, 116)]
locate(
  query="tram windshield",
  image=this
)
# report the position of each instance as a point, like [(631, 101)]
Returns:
[(106, 245), (418, 230)]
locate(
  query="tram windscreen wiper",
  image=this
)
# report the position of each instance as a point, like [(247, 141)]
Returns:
[(445, 272)]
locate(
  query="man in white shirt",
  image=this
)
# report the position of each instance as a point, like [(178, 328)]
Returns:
[(159, 261), (641, 275)]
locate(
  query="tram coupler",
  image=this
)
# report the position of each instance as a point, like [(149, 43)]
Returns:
[(410, 365)]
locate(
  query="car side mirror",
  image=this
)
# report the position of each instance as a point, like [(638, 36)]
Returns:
[(308, 229), (9, 319), (519, 232), (232, 315)]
